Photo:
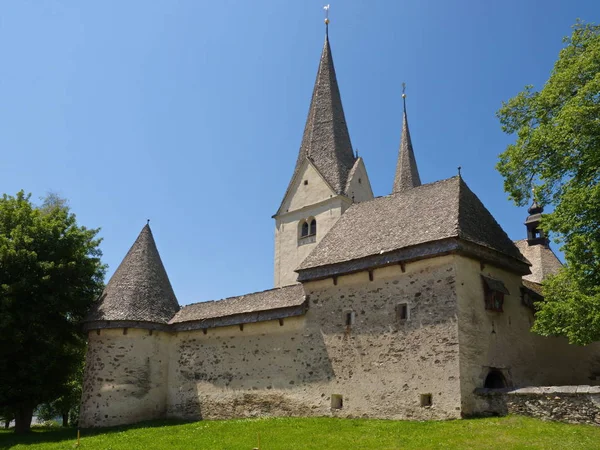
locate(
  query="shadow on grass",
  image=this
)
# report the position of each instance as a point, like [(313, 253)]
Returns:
[(39, 435)]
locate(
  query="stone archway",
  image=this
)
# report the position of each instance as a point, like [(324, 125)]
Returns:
[(495, 380)]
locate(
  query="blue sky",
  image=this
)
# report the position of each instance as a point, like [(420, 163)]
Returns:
[(190, 113)]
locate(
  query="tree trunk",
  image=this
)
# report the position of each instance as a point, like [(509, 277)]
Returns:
[(6, 424), (65, 416), (23, 416)]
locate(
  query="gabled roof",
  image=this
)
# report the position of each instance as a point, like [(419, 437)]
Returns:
[(543, 260), (427, 213), (326, 141), (284, 297), (140, 289), (407, 174)]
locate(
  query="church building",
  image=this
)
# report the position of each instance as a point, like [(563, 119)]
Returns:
[(395, 307)]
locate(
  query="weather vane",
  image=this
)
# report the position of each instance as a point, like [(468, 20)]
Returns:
[(326, 8), (404, 95)]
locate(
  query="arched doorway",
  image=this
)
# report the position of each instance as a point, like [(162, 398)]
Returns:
[(495, 380)]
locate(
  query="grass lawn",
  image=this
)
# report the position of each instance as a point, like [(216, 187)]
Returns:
[(511, 432)]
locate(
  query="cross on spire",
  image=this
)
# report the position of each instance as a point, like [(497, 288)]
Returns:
[(326, 8)]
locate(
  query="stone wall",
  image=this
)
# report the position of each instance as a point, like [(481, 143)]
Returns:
[(125, 377), (381, 366), (572, 404), (503, 340)]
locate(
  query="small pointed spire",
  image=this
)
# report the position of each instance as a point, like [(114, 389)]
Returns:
[(407, 174)]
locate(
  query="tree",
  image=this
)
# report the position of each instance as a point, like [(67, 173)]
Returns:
[(50, 273), (67, 405), (557, 152), (6, 416)]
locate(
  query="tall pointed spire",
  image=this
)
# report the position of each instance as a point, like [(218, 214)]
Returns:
[(140, 289), (326, 141), (407, 174)]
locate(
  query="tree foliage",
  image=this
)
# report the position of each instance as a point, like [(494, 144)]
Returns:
[(557, 152), (50, 272), (66, 406)]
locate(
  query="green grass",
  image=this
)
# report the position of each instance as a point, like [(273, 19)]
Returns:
[(511, 432)]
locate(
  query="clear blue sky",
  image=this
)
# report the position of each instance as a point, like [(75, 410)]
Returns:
[(191, 113)]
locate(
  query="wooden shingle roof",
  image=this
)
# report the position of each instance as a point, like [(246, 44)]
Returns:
[(140, 289), (427, 214)]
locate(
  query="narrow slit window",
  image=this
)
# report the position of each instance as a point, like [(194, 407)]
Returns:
[(349, 318), (402, 311)]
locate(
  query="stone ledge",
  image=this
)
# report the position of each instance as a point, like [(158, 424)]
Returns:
[(541, 390)]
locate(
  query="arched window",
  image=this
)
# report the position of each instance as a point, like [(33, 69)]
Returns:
[(313, 227), (304, 229)]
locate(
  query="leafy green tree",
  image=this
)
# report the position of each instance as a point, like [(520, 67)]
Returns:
[(67, 405), (6, 416), (50, 273), (557, 152)]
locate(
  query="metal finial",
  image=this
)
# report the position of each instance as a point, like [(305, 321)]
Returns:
[(147, 221), (404, 95), (326, 8), (459, 167)]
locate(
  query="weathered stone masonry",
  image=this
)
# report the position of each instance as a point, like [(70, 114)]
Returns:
[(378, 364), (572, 404), (399, 307)]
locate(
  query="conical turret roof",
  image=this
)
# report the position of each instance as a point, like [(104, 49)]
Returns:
[(407, 174), (326, 141), (140, 289)]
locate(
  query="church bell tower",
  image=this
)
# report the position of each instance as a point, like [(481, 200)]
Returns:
[(327, 179)]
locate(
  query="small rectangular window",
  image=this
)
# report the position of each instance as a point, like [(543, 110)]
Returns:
[(426, 400), (337, 401), (494, 291), (494, 301), (402, 311)]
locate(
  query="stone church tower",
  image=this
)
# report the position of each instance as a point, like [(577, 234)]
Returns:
[(327, 180)]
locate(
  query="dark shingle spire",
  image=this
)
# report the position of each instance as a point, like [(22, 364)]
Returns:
[(139, 290), (407, 174), (326, 141)]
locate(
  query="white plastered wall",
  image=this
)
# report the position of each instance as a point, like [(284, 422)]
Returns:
[(359, 186), (310, 197), (502, 340)]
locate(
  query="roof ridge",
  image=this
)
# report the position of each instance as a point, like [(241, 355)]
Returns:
[(482, 216), (242, 295)]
